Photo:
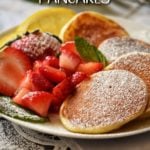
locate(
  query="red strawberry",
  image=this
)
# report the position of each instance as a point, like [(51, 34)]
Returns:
[(19, 94), (40, 82), (35, 82), (38, 102), (55, 105), (37, 64), (53, 74), (37, 44), (13, 66), (69, 46), (26, 82), (90, 67), (78, 77), (62, 90), (67, 72), (51, 61), (69, 60)]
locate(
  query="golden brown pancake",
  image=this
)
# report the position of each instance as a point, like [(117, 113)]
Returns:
[(105, 102), (137, 63), (92, 26), (115, 47)]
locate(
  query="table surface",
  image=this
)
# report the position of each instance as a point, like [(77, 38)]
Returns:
[(12, 12)]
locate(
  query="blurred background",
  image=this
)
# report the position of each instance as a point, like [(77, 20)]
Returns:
[(12, 12)]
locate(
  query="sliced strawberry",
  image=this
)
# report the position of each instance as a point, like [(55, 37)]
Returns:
[(37, 64), (26, 82), (35, 82), (52, 74), (67, 72), (7, 88), (78, 77), (19, 94), (62, 90), (69, 60), (18, 57), (40, 82), (51, 61), (55, 105), (38, 102), (13, 66), (69, 46), (90, 67)]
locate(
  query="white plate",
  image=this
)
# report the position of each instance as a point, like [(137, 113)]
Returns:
[(56, 128)]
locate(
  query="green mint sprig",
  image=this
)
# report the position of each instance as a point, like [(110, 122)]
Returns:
[(89, 52)]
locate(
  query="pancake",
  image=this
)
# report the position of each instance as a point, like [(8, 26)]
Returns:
[(115, 47), (105, 102), (92, 26), (137, 63)]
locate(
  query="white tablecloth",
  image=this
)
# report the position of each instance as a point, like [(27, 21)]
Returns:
[(12, 12)]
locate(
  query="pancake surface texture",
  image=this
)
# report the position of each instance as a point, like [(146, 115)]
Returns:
[(137, 63), (92, 26), (105, 102), (115, 47)]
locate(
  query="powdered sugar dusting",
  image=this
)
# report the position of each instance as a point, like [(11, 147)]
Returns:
[(117, 46), (137, 63), (36, 44), (108, 98)]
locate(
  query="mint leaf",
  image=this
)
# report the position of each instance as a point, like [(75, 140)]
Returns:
[(89, 52)]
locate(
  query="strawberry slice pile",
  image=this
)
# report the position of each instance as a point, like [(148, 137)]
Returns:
[(42, 84)]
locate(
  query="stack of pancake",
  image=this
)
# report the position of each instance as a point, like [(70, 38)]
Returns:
[(119, 94)]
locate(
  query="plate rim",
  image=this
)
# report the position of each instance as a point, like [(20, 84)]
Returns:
[(79, 135), (76, 135)]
